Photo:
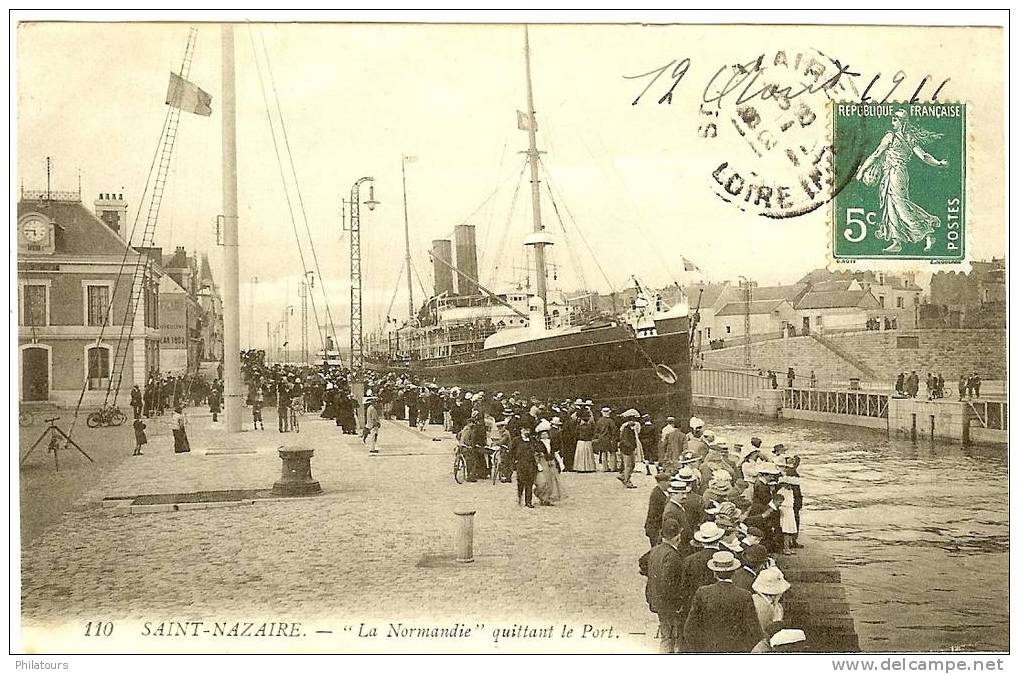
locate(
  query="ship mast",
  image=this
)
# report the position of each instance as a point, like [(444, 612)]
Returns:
[(532, 158), (406, 240)]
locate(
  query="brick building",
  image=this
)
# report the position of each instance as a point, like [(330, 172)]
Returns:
[(74, 273)]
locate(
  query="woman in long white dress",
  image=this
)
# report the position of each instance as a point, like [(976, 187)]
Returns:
[(546, 482), (583, 459), (901, 218)]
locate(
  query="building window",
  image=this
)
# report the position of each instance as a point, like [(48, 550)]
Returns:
[(728, 329), (98, 367), (707, 333), (97, 299), (898, 303), (34, 309), (881, 300)]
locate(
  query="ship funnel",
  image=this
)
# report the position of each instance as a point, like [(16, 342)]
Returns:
[(466, 260), (442, 263)]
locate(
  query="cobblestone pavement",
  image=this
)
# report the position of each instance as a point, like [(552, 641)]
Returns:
[(375, 547)]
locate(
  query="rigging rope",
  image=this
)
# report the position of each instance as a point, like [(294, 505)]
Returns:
[(506, 227), (566, 207), (120, 272), (569, 249), (283, 179), (297, 185)]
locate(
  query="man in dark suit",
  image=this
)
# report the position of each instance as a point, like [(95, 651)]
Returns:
[(525, 466), (722, 618), (755, 558), (695, 569), (655, 507), (665, 566)]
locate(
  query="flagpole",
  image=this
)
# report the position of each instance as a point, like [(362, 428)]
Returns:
[(231, 291)]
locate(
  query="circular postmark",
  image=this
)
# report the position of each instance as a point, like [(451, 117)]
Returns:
[(770, 118)]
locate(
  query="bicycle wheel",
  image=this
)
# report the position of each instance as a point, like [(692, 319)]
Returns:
[(459, 468), (25, 418), (94, 420), (117, 418)]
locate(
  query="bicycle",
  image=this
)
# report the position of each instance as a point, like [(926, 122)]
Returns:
[(106, 415), (497, 459), (25, 418), (460, 465)]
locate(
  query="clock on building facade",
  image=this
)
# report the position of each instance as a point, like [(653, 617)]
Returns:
[(35, 234)]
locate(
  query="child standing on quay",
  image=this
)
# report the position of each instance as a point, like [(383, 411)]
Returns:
[(139, 436)]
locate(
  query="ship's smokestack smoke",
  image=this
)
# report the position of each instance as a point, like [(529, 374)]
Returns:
[(466, 260), (442, 252)]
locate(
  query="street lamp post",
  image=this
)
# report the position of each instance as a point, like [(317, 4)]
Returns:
[(356, 328)]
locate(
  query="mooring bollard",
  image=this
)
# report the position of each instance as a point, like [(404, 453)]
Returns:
[(465, 535), (296, 479)]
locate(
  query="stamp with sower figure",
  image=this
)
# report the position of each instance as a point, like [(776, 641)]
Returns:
[(903, 167)]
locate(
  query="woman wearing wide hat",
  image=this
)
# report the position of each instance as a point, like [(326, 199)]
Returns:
[(768, 587), (546, 481)]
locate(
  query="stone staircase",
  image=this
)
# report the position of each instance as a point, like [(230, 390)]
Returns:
[(841, 353), (803, 354)]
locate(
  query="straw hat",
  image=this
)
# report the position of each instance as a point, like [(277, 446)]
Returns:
[(723, 561), (711, 507), (630, 414), (696, 422), (678, 487), (686, 474), (771, 581), (543, 426), (689, 457), (787, 636), (708, 532)]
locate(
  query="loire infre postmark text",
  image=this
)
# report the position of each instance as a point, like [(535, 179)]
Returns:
[(903, 167)]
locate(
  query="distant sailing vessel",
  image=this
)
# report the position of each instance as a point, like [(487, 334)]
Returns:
[(539, 343)]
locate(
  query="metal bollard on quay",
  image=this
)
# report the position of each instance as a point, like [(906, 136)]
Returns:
[(465, 535), (296, 479)]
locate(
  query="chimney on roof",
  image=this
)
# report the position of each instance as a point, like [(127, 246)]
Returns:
[(112, 210)]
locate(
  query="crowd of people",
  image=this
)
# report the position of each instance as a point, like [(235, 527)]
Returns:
[(295, 389), (908, 385), (716, 524), (718, 518)]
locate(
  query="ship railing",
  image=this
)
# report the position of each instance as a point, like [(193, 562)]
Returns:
[(852, 403)]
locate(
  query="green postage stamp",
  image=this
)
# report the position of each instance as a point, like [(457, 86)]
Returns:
[(900, 181)]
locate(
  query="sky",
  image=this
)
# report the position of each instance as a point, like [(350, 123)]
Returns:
[(632, 183)]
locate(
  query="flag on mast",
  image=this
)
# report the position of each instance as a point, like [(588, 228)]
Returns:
[(525, 121), (187, 96)]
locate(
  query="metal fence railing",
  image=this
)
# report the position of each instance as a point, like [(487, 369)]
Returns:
[(854, 403), (727, 383)]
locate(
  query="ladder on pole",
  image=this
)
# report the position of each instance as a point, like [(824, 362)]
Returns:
[(140, 277)]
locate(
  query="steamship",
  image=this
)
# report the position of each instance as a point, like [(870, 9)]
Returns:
[(538, 342)]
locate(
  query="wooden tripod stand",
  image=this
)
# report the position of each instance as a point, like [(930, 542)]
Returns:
[(54, 433)]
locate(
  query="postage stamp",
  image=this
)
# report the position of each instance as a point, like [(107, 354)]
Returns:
[(904, 195)]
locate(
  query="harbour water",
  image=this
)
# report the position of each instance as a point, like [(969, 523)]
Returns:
[(919, 533)]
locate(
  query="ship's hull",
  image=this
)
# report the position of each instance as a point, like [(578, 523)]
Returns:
[(607, 365)]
